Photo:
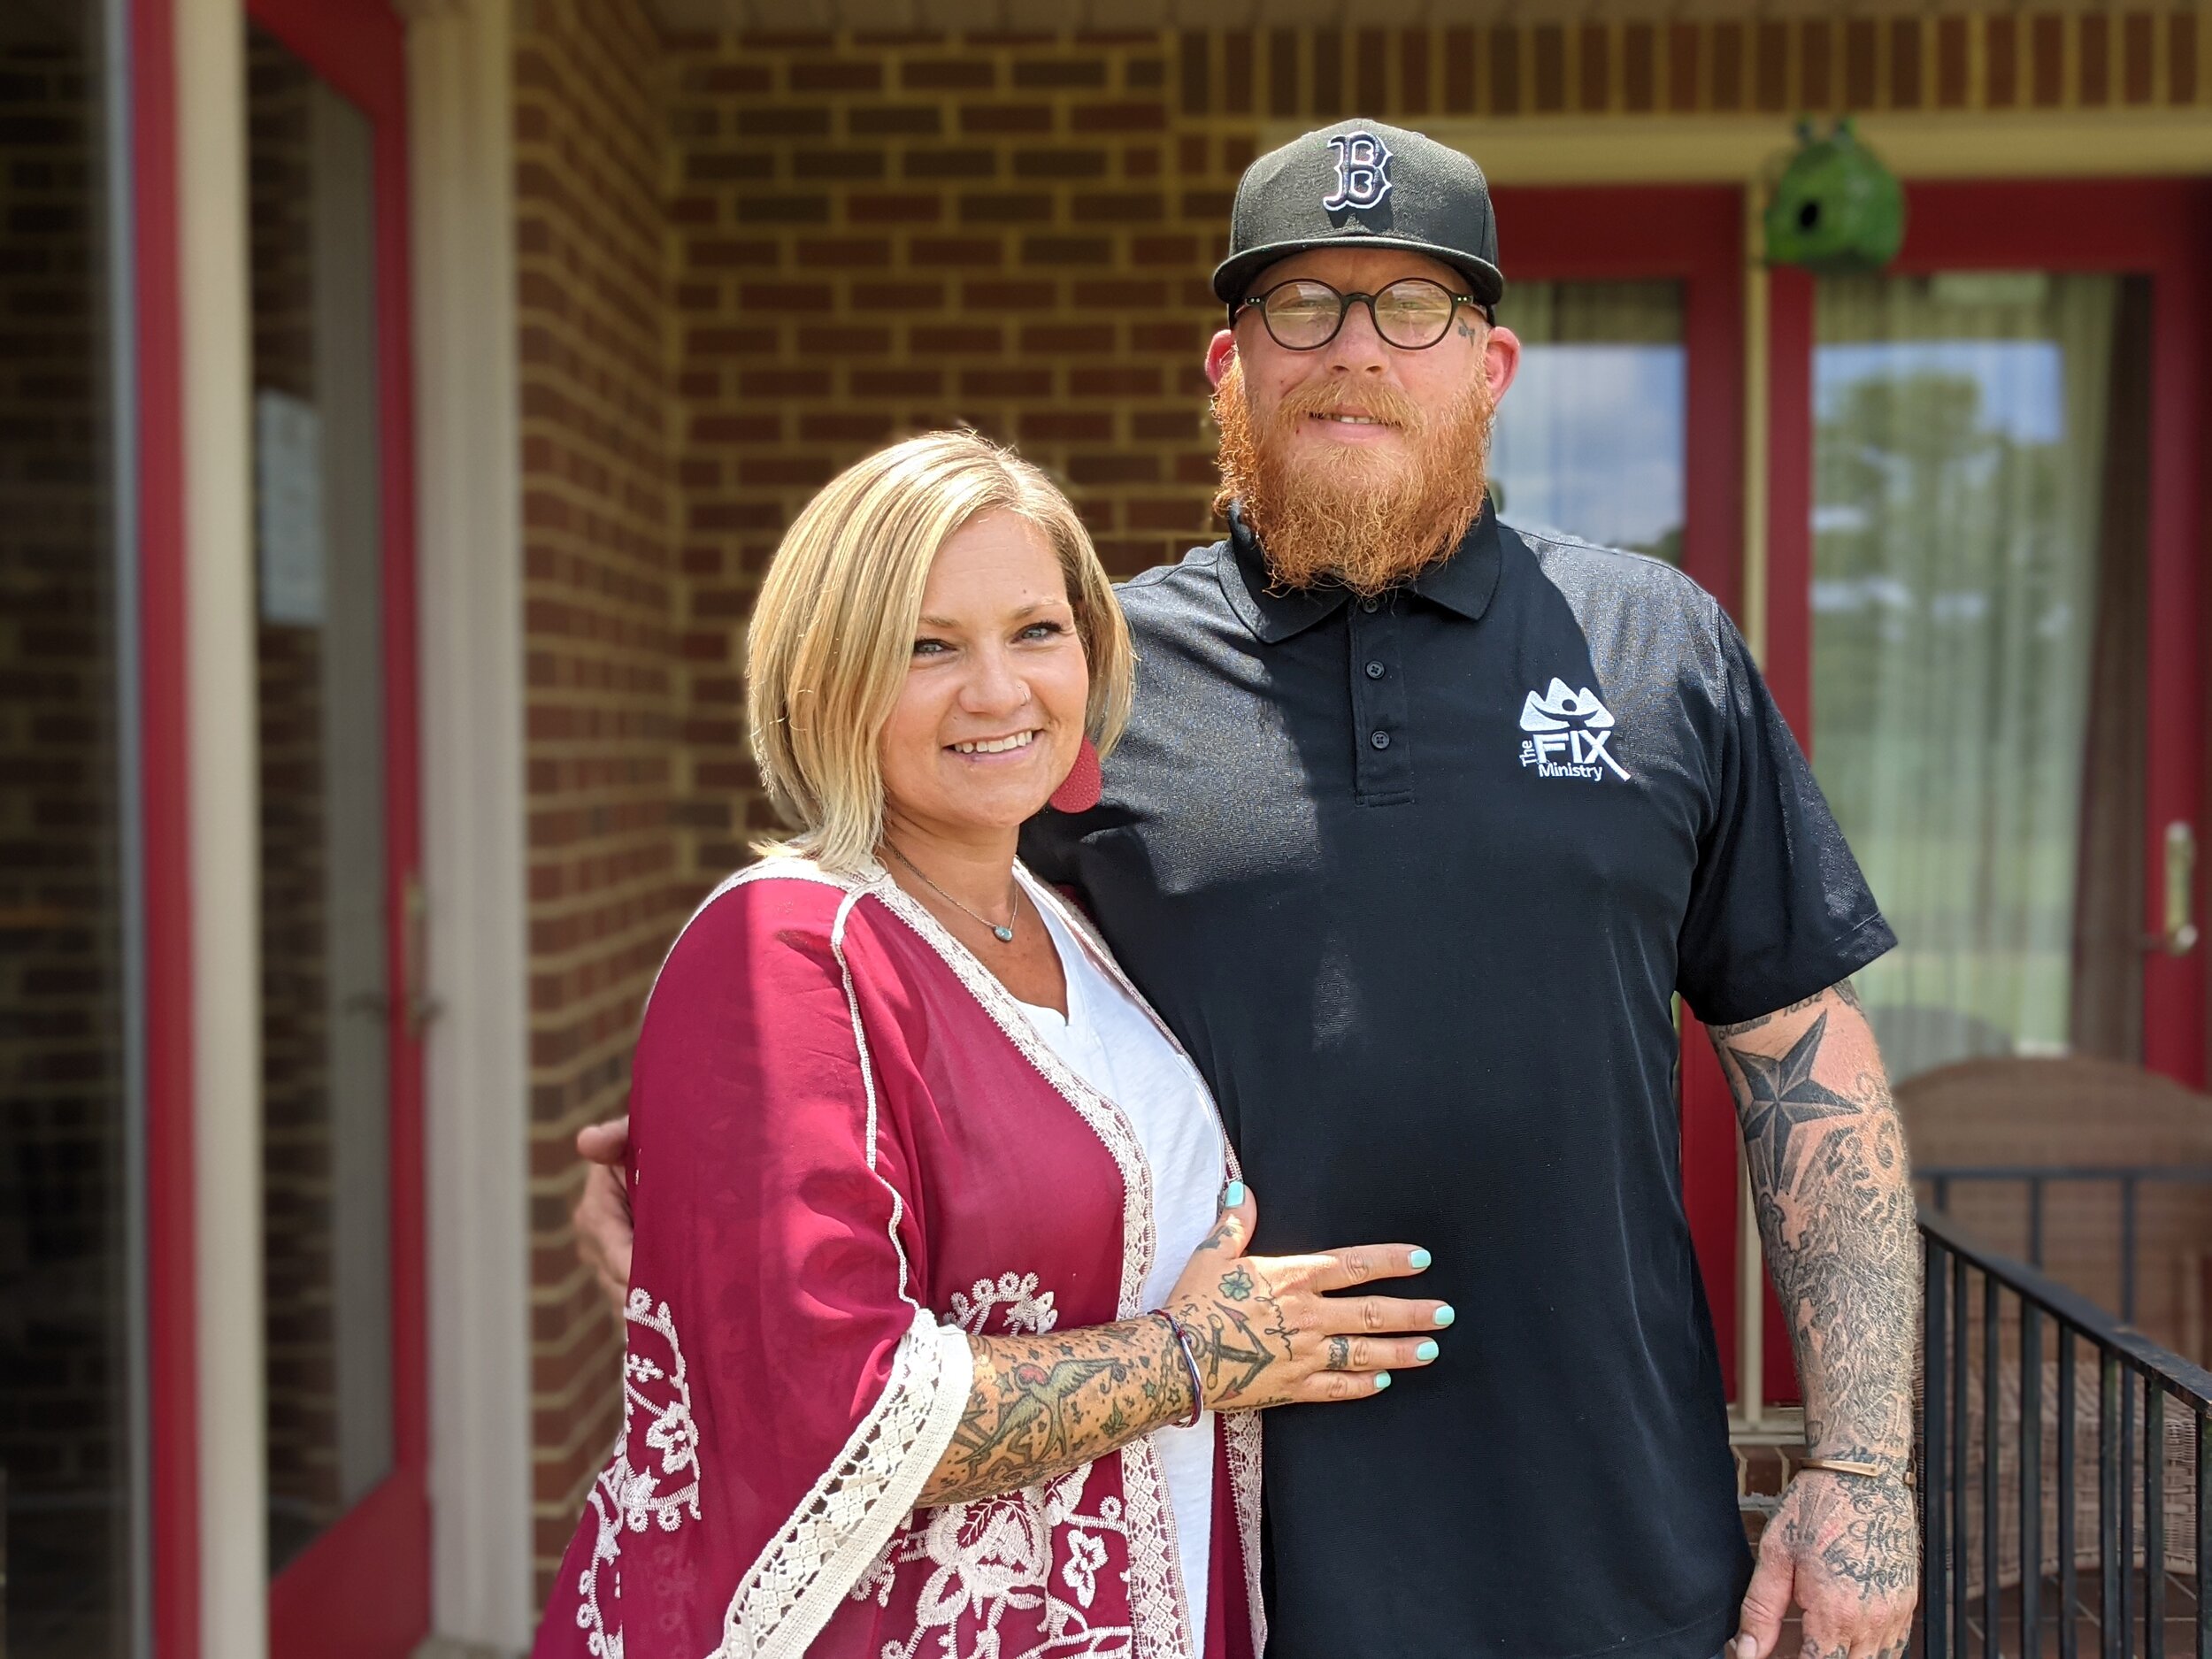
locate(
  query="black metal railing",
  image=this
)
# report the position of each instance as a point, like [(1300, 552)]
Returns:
[(1989, 1322), (2127, 1179)]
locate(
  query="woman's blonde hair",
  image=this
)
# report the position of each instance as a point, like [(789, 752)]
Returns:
[(832, 633)]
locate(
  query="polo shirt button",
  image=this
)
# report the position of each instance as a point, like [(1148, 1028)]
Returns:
[(1374, 671), (1380, 740), (1371, 605)]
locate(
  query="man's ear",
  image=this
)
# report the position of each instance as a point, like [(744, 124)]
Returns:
[(1220, 352), (1501, 360)]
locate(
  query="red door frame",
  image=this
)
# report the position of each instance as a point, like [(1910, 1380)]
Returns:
[(166, 871), (362, 1589), (2156, 227), (1693, 234)]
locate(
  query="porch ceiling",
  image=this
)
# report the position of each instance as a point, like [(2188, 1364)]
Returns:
[(1055, 16)]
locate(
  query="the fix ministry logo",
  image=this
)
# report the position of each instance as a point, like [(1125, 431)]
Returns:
[(1569, 730)]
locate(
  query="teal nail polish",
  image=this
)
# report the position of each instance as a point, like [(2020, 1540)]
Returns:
[(1420, 1259), (1382, 1380), (1233, 1194), (1426, 1351), (1444, 1315)]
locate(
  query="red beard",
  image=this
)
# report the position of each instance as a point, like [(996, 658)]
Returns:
[(1371, 521)]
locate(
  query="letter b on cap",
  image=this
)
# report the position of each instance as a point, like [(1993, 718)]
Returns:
[(1363, 171)]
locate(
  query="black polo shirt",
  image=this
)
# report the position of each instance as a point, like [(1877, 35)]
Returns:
[(1416, 880)]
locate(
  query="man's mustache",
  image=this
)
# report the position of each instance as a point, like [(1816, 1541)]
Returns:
[(1379, 401)]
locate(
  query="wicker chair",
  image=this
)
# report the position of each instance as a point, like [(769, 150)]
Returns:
[(2078, 1111), (2060, 1113)]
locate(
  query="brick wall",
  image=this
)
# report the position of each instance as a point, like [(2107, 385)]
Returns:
[(872, 238), (601, 594), (863, 235)]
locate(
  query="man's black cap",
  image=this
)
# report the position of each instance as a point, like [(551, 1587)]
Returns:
[(1361, 183)]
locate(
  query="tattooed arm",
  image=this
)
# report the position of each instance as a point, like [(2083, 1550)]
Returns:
[(1265, 1333), (1835, 1209)]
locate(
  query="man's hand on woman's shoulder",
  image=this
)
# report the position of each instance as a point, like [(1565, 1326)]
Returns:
[(601, 1217)]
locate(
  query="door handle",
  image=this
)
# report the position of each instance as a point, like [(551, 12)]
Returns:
[(2177, 928)]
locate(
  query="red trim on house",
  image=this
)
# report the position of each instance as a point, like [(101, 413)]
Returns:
[(165, 776), (357, 47), (355, 1593), (362, 1589), (1709, 1184)]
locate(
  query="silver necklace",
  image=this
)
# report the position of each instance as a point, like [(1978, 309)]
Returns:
[(1004, 935)]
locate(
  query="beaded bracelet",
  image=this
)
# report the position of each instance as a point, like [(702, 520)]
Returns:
[(1190, 1363)]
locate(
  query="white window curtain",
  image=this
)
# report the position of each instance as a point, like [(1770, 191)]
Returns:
[(1960, 454), (1589, 437)]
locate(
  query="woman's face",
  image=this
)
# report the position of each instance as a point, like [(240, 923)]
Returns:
[(991, 712)]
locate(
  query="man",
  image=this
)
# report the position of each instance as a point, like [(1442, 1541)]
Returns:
[(1420, 825)]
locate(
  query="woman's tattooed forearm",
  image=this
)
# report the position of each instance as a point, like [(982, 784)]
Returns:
[(1042, 1405), (1835, 1209)]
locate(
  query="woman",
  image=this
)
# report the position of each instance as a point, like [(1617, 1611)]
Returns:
[(939, 1276)]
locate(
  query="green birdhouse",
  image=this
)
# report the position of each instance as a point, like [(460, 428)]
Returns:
[(1837, 209)]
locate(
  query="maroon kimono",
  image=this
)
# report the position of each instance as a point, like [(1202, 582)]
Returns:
[(850, 1153)]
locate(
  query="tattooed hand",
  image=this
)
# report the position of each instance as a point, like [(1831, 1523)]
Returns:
[(1266, 1332), (1833, 1195), (1263, 1333), (1846, 1549)]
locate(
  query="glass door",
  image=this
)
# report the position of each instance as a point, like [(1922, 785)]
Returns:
[(74, 1473), (1990, 615), (340, 914), (1989, 619), (1979, 609)]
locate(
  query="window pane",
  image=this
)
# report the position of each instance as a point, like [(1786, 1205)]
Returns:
[(1960, 457), (326, 1002), (65, 1292), (1590, 436)]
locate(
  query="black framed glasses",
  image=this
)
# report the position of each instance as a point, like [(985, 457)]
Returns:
[(1412, 313)]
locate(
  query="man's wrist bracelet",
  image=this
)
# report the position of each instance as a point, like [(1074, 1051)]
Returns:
[(1190, 1364)]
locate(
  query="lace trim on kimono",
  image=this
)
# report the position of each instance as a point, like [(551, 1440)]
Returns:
[(858, 1505), (1027, 1313), (1242, 1430), (661, 1489), (1106, 1119)]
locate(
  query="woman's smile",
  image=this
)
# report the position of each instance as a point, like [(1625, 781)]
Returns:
[(1013, 743)]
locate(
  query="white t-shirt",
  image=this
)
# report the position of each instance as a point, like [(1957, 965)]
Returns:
[(1111, 1042)]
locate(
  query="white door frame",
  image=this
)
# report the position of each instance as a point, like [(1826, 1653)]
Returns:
[(476, 1058)]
